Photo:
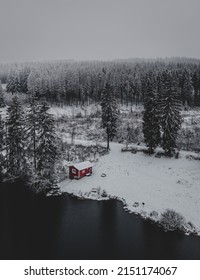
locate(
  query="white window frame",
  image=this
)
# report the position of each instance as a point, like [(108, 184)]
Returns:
[(73, 170)]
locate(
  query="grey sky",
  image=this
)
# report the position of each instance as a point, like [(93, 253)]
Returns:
[(33, 30)]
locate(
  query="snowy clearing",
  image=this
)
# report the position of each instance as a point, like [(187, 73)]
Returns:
[(145, 183)]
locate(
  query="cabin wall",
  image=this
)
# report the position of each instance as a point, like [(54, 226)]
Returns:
[(85, 172), (75, 173)]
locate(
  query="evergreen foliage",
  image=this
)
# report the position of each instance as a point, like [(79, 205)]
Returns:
[(13, 83), (32, 126), (2, 142), (46, 151), (109, 113), (170, 109), (76, 83), (15, 140), (196, 83), (2, 134), (2, 102), (30, 141), (187, 90), (151, 123)]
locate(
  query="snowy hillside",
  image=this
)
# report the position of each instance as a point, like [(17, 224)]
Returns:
[(145, 183)]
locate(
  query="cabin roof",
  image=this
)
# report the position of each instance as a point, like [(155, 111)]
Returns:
[(82, 165)]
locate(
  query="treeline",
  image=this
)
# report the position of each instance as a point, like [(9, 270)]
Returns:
[(28, 146), (82, 83), (162, 114), (161, 118)]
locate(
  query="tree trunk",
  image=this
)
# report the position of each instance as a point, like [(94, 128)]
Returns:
[(108, 140), (34, 149)]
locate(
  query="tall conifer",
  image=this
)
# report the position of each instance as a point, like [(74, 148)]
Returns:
[(2, 101), (15, 140), (46, 150), (2, 138), (109, 113), (170, 112), (32, 126), (151, 124)]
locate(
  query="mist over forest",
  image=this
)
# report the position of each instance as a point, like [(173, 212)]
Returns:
[(81, 82)]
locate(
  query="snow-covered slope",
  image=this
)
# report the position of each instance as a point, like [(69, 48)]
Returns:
[(146, 183)]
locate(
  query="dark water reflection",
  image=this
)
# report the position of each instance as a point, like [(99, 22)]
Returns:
[(67, 228)]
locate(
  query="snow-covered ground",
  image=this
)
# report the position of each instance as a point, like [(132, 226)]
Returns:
[(72, 111), (145, 183)]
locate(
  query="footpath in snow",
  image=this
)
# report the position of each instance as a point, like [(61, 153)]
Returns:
[(145, 183)]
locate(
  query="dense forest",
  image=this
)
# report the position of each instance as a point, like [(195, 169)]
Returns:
[(81, 83), (29, 145)]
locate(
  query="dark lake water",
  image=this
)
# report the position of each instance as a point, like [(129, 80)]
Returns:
[(66, 228)]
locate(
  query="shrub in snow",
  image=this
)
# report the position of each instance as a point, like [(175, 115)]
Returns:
[(154, 214), (177, 155), (134, 151), (191, 157), (171, 220), (146, 151), (136, 204), (104, 193), (79, 115), (189, 227)]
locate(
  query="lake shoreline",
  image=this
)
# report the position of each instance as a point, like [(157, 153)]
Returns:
[(149, 186), (142, 215)]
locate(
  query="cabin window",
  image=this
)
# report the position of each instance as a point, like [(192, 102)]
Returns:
[(73, 170), (83, 171)]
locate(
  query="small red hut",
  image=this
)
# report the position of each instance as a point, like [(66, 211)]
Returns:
[(79, 170)]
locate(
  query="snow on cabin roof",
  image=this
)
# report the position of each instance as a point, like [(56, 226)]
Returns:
[(82, 165)]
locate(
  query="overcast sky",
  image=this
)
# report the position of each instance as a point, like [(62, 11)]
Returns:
[(33, 30)]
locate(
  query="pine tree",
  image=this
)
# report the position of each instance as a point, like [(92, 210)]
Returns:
[(46, 150), (188, 90), (170, 112), (1, 134), (23, 77), (109, 113), (2, 101), (35, 84), (196, 83), (32, 126), (15, 140), (2, 138), (151, 124), (13, 82)]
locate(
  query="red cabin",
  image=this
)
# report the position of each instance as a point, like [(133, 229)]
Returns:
[(79, 170)]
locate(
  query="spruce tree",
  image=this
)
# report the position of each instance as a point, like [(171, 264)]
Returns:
[(13, 82), (151, 124), (15, 140), (2, 138), (1, 134), (187, 91), (109, 113), (32, 126), (2, 101), (196, 83), (46, 150), (170, 112)]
